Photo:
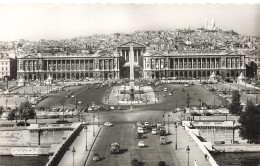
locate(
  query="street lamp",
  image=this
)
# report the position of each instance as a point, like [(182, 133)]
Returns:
[(93, 126), (73, 153), (176, 127), (86, 129), (168, 124), (98, 118), (163, 117), (188, 152)]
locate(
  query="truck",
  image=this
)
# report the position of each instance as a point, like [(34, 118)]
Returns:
[(114, 148)]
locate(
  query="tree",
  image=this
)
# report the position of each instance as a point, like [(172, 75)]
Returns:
[(1, 110), (250, 123), (27, 111), (235, 107), (11, 115)]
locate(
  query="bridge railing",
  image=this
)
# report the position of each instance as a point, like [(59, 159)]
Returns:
[(57, 156)]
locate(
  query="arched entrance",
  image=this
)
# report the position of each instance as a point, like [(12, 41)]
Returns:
[(77, 76)]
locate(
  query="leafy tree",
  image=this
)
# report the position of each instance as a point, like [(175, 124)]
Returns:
[(235, 107), (1, 110), (27, 111), (11, 115), (250, 123)]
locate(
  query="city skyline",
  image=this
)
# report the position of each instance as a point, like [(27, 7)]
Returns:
[(63, 21)]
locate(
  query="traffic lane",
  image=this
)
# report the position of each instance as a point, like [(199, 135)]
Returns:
[(127, 116), (125, 135)]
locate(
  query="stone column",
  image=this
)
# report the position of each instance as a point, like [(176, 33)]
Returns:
[(210, 63), (201, 66), (178, 65), (56, 65), (192, 63)]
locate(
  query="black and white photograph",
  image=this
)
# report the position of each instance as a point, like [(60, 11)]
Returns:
[(129, 84)]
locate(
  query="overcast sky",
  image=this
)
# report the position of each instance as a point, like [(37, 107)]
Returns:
[(56, 21)]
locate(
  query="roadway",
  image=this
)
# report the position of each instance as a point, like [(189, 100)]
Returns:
[(125, 135)]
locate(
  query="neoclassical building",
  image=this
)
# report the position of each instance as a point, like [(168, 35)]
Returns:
[(148, 64), (192, 64), (68, 67)]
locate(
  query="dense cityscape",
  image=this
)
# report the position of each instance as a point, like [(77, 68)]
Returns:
[(152, 97)]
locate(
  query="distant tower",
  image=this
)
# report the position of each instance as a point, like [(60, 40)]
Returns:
[(206, 24), (212, 24)]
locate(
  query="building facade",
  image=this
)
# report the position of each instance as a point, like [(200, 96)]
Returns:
[(68, 67), (8, 68), (192, 65), (151, 64)]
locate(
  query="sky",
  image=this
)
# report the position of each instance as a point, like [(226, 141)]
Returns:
[(62, 21)]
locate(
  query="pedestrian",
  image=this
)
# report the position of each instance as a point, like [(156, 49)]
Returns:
[(195, 163), (206, 156)]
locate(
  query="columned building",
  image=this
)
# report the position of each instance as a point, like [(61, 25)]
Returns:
[(192, 64), (148, 64), (124, 52), (69, 67)]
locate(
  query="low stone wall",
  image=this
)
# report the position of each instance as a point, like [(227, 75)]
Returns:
[(57, 156), (238, 148), (200, 144)]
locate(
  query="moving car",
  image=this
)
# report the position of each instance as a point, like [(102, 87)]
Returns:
[(135, 162), (139, 136), (115, 148), (161, 163), (154, 131), (141, 144), (140, 130), (96, 157), (108, 124)]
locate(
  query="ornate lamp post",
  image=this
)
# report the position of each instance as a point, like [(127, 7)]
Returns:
[(93, 126), (176, 128), (163, 117), (86, 129), (168, 123), (188, 152), (73, 153), (98, 119)]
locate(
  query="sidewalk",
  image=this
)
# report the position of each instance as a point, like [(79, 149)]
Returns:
[(184, 140), (80, 147)]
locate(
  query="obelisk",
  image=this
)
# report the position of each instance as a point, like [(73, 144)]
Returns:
[(131, 62)]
